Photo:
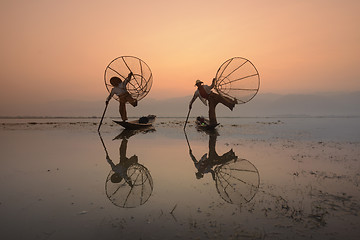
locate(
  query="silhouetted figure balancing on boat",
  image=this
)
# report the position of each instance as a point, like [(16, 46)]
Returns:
[(121, 169), (209, 97), (119, 88), (208, 161)]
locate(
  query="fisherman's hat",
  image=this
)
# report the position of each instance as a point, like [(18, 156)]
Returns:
[(198, 81)]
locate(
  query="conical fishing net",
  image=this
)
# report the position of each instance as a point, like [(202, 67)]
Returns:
[(133, 192), (237, 181), (140, 83), (237, 78)]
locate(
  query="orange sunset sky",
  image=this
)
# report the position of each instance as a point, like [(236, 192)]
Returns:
[(58, 50)]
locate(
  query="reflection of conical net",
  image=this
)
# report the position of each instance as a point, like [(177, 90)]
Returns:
[(128, 195), (140, 83), (238, 79), (237, 181)]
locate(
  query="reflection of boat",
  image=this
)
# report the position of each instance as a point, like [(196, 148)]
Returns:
[(204, 124), (128, 184), (143, 122), (127, 133), (237, 180)]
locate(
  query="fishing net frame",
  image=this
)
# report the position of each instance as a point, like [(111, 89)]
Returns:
[(233, 183), (238, 79), (125, 196), (141, 80)]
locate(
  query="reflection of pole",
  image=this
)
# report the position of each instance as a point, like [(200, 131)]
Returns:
[(187, 140), (102, 141)]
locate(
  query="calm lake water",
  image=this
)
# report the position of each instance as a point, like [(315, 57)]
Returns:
[(255, 178)]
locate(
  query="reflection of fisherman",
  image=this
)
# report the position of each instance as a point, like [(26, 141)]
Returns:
[(208, 161), (204, 93), (119, 88), (120, 170), (128, 184)]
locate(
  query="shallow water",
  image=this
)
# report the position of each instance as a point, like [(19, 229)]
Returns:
[(260, 179)]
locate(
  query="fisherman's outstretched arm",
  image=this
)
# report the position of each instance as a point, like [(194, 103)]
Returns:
[(110, 96), (110, 161), (192, 157), (128, 78), (213, 175), (192, 100), (213, 83)]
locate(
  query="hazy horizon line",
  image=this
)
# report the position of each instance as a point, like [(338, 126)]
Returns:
[(326, 93), (116, 117)]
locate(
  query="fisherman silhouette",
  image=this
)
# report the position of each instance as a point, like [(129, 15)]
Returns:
[(119, 88), (236, 180), (208, 161), (121, 169), (205, 94), (128, 184)]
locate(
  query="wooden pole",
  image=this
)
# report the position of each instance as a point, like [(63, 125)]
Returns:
[(102, 116), (187, 117)]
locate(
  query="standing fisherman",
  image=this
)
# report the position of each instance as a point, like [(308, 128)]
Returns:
[(206, 95), (119, 88)]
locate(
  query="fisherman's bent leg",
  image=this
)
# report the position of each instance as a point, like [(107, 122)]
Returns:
[(225, 101), (131, 100)]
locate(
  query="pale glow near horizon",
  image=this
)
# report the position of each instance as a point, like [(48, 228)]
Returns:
[(58, 50)]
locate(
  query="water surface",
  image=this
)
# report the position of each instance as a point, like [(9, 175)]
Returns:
[(254, 178)]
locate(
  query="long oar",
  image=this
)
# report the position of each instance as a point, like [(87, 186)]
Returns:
[(102, 116), (187, 117)]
